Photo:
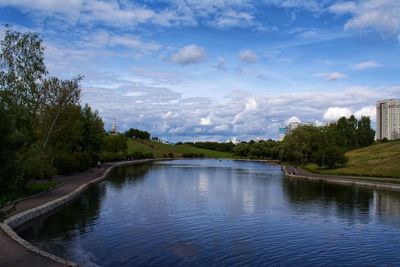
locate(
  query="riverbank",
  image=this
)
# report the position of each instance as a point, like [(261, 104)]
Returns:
[(16, 251), (371, 182)]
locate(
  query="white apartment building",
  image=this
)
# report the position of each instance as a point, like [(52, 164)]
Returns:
[(388, 119)]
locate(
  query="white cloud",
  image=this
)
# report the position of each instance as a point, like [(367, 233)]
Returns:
[(248, 56), (366, 65), (206, 121), (231, 18), (189, 54), (167, 114), (103, 38), (334, 113), (221, 13), (343, 8), (334, 76), (369, 111), (379, 15)]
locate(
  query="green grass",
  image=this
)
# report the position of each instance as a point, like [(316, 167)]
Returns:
[(38, 187), (160, 150), (380, 160)]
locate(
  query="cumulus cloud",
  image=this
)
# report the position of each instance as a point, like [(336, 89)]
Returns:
[(248, 56), (166, 113), (334, 76), (366, 65), (369, 111), (380, 16), (334, 113), (190, 54)]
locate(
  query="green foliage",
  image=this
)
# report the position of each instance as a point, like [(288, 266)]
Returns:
[(46, 131), (137, 134), (192, 155), (222, 147), (325, 146), (114, 148), (378, 160), (159, 149), (140, 155), (331, 157), (5, 212)]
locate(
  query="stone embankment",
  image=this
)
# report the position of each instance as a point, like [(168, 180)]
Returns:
[(337, 179), (15, 251)]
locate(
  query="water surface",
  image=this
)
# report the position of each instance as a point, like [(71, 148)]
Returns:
[(212, 213)]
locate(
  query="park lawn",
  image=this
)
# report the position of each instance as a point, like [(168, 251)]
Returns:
[(160, 150), (379, 160)]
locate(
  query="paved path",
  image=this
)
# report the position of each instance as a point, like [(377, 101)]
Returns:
[(386, 183), (14, 254)]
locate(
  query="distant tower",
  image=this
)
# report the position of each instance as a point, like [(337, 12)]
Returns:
[(113, 127)]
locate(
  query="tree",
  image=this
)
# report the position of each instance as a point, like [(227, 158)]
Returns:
[(59, 97), (331, 156), (92, 130), (365, 133), (23, 70), (137, 134)]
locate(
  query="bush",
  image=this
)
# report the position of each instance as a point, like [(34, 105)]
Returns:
[(170, 154), (106, 156), (192, 155), (331, 157)]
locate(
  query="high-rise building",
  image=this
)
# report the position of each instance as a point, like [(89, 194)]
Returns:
[(388, 119)]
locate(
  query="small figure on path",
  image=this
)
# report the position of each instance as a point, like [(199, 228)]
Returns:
[(99, 164)]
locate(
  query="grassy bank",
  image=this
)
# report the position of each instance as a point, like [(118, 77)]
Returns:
[(160, 150), (380, 160)]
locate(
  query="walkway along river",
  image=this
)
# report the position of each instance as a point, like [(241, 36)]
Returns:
[(221, 212)]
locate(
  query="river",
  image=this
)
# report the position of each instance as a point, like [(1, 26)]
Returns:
[(221, 212)]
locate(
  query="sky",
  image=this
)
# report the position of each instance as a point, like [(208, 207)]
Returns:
[(212, 70)]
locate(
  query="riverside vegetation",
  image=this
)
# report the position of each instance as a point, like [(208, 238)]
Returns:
[(46, 131), (44, 128)]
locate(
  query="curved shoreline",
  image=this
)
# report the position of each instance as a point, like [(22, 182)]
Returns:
[(343, 180), (32, 213), (22, 217)]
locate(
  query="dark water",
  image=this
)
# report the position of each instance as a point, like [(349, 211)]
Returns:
[(213, 213)]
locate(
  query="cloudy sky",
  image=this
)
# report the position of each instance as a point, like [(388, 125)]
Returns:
[(217, 69)]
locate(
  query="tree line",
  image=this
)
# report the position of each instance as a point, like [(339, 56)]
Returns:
[(44, 128), (325, 146)]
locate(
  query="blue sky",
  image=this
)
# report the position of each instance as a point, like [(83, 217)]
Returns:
[(213, 70)]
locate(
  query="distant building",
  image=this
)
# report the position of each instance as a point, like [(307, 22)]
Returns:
[(293, 125), (234, 141), (113, 127), (282, 133), (388, 119)]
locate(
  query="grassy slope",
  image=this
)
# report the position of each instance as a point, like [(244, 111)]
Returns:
[(159, 149), (380, 160)]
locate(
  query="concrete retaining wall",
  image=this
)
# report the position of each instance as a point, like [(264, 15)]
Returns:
[(333, 180), (25, 216)]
